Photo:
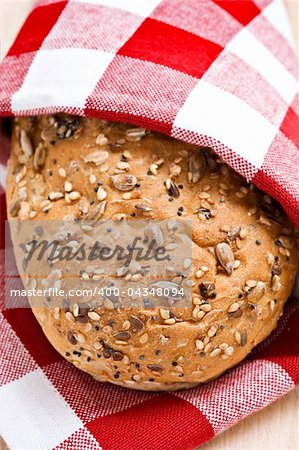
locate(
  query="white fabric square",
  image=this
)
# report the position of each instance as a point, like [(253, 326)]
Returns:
[(253, 52), (140, 7), (213, 112), (63, 77), (276, 13), (34, 415)]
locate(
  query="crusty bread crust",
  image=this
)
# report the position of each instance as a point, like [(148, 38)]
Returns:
[(237, 300)]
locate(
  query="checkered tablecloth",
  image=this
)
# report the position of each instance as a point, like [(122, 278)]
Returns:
[(210, 72)]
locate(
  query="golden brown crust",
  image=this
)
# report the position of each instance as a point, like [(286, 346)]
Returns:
[(243, 247)]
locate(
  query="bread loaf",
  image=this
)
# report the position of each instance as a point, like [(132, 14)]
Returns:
[(244, 248)]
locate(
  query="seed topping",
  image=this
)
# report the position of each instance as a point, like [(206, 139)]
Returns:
[(225, 257), (197, 167), (124, 182), (172, 188), (123, 335), (97, 157), (25, 143)]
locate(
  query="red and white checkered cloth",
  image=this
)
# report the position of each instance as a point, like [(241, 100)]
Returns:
[(211, 72)]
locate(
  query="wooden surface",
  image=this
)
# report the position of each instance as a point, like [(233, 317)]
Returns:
[(275, 427)]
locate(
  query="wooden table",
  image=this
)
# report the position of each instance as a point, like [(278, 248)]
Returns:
[(275, 427)]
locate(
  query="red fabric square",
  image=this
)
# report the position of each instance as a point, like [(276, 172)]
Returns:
[(30, 333), (41, 20), (283, 347), (170, 46), (290, 126), (242, 10), (179, 424)]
